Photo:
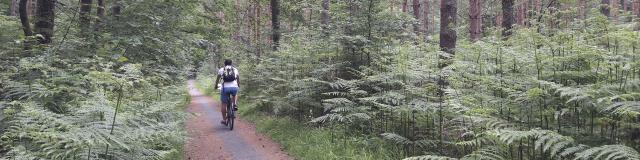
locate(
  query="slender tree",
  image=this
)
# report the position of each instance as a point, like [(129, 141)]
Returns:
[(275, 23), (116, 9), (425, 14), (404, 6), (15, 7), (85, 19), (613, 8), (582, 11), (100, 11), (508, 17), (636, 7), (605, 8), (475, 16), (537, 5), (45, 20), (324, 16), (13, 10), (24, 18), (258, 28), (498, 20), (448, 14), (522, 13), (416, 14)]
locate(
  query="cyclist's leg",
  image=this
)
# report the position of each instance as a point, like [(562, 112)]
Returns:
[(234, 94), (224, 97)]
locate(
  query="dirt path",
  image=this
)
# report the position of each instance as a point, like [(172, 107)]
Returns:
[(210, 140)]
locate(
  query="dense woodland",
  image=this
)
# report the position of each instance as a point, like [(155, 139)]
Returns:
[(420, 79)]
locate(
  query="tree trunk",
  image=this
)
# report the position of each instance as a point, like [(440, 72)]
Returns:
[(582, 6), (425, 12), (100, 11), (538, 6), (522, 13), (498, 20), (625, 5), (24, 18), (324, 16), (85, 18), (614, 8), (507, 19), (605, 8), (275, 23), (45, 20), (15, 7), (404, 6), (258, 30), (475, 16), (416, 14), (31, 7), (116, 9), (448, 37), (636, 7), (517, 14), (13, 10)]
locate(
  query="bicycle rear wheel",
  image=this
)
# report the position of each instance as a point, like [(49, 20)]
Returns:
[(231, 114)]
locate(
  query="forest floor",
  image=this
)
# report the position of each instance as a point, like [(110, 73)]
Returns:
[(209, 140)]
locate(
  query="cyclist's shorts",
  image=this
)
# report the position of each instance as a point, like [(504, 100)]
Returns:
[(226, 91)]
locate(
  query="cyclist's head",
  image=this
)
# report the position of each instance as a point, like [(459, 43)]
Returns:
[(227, 62)]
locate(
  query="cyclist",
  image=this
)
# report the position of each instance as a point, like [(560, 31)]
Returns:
[(230, 86)]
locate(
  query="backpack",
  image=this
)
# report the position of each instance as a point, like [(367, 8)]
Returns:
[(229, 74)]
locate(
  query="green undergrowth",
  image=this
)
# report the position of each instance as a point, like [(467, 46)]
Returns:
[(304, 142), (178, 152)]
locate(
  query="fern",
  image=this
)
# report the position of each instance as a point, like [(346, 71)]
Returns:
[(608, 152)]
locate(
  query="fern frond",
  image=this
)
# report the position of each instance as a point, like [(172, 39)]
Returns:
[(608, 152)]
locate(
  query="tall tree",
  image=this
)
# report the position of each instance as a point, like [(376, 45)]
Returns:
[(522, 10), (275, 23), (30, 10), (85, 18), (636, 7), (507, 17), (613, 8), (100, 11), (324, 16), (404, 6), (258, 26), (425, 12), (475, 16), (24, 18), (605, 8), (498, 20), (537, 6), (448, 16), (45, 20), (116, 9), (416, 14), (13, 10), (582, 9)]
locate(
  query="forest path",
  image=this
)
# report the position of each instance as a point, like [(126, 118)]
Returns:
[(210, 140)]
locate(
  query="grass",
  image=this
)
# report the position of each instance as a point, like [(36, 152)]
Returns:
[(305, 142)]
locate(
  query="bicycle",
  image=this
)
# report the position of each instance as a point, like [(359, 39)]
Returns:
[(231, 113)]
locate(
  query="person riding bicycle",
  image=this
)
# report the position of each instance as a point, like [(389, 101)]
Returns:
[(230, 86)]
